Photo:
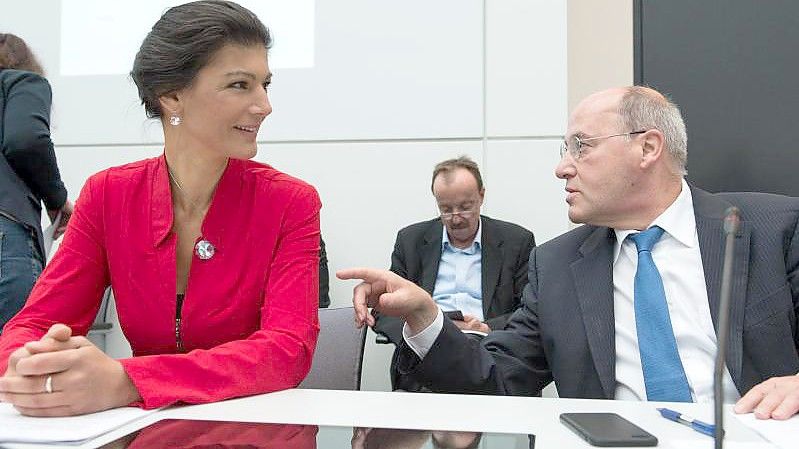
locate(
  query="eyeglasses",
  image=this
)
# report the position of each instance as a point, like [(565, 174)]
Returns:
[(465, 214), (574, 146)]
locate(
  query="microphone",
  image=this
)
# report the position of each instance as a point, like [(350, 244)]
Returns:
[(732, 221)]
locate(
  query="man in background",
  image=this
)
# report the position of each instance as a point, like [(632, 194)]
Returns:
[(475, 267)]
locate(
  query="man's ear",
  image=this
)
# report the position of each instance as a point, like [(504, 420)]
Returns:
[(652, 147)]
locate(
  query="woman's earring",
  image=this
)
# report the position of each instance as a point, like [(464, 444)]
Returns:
[(174, 120)]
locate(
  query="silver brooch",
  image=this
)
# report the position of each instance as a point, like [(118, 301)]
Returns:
[(204, 249)]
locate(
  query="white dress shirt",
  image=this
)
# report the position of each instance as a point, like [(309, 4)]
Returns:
[(459, 283), (679, 261), (423, 341)]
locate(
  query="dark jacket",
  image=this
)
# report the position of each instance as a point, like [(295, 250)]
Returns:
[(505, 250), (417, 253), (324, 277), (28, 170)]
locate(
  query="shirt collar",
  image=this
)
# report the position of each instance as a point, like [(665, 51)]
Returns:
[(677, 220), (476, 244)]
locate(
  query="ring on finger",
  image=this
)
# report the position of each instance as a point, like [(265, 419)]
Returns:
[(48, 384)]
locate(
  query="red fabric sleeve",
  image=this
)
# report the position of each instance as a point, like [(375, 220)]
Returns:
[(70, 289)]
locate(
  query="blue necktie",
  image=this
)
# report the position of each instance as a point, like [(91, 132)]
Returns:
[(664, 376)]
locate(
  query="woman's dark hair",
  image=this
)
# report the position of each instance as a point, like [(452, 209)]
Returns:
[(15, 54), (182, 42)]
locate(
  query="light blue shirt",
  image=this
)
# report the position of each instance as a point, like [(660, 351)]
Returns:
[(459, 284)]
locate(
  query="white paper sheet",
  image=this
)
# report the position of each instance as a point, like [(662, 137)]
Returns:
[(783, 434), (15, 428), (710, 444), (49, 233)]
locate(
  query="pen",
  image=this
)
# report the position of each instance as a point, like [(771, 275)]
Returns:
[(699, 426)]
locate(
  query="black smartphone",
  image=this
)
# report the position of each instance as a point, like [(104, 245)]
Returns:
[(455, 315), (607, 429)]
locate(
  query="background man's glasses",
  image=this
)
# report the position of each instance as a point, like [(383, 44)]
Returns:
[(575, 145), (447, 216)]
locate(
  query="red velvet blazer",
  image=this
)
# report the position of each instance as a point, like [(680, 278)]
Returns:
[(249, 318)]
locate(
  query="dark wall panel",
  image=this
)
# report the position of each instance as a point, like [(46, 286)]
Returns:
[(733, 67)]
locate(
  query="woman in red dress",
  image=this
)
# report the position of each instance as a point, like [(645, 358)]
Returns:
[(213, 258)]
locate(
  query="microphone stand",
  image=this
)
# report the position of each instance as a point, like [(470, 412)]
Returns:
[(731, 223)]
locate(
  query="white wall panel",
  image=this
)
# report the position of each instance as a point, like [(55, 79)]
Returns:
[(521, 186), (78, 163), (410, 69), (525, 67)]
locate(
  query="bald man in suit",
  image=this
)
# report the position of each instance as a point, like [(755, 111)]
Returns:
[(582, 324)]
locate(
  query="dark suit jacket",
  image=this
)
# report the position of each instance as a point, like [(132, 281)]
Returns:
[(28, 170), (564, 330), (505, 250)]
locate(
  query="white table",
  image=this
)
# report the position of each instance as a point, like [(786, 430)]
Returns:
[(497, 414)]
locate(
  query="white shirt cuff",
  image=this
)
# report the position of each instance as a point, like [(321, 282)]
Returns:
[(423, 341)]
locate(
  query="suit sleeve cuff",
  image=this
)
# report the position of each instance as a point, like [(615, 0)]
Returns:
[(423, 341)]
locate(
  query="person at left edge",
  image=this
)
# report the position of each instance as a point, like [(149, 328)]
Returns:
[(29, 173), (209, 322)]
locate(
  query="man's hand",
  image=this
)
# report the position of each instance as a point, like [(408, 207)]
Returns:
[(391, 295), (776, 398), (367, 437), (82, 378), (471, 323), (359, 435)]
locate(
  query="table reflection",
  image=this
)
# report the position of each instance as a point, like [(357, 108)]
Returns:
[(174, 434), (369, 438), (169, 434)]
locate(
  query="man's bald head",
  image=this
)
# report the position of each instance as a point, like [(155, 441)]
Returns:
[(643, 108)]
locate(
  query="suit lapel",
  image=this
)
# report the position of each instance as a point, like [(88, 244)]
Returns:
[(430, 254), (709, 213), (491, 262), (593, 280)]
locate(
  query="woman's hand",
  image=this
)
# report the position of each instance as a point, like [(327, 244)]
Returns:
[(56, 339), (66, 213), (61, 375)]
